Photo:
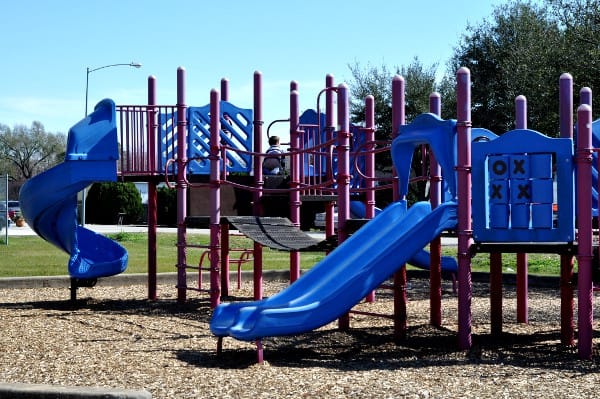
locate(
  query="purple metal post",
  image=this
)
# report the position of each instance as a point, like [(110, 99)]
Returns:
[(585, 301), (295, 181), (215, 198), (496, 293), (370, 156), (370, 164), (398, 118), (567, 325), (330, 128), (152, 192), (522, 267), (224, 89), (343, 152), (181, 186), (463, 86), (435, 247), (343, 176), (258, 181), (585, 96)]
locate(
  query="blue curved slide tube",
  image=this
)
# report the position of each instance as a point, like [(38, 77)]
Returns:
[(343, 278), (49, 200)]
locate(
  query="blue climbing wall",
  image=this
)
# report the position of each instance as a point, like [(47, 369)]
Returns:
[(513, 185), (236, 131), (315, 164)]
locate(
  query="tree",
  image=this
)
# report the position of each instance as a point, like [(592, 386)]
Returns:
[(524, 49), (377, 81), (25, 152), (518, 52), (580, 22), (105, 201)]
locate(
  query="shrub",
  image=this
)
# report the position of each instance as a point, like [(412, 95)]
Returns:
[(105, 201), (166, 204)]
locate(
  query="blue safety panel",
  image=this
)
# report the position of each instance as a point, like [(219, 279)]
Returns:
[(440, 135), (315, 164), (236, 131), (167, 143), (513, 181)]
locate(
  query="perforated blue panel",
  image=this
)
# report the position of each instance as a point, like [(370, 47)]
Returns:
[(236, 132), (312, 138), (167, 143), (513, 184)]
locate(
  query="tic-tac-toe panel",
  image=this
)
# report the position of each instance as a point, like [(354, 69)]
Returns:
[(523, 188)]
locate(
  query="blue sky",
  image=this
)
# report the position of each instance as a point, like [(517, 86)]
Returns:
[(47, 45)]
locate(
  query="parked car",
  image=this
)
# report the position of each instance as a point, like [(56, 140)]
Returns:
[(14, 209)]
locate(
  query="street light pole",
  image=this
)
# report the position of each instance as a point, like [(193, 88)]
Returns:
[(87, 77), (87, 82)]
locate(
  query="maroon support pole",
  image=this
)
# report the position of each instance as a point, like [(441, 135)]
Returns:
[(463, 85), (398, 119), (369, 132), (225, 258), (522, 267), (258, 180), (567, 326), (584, 221), (496, 293), (181, 187), (330, 129), (295, 181), (435, 247), (370, 156), (585, 96), (496, 261), (343, 152), (215, 198), (152, 192), (225, 89), (343, 176)]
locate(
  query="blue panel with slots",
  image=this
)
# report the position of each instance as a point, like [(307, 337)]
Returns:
[(523, 188)]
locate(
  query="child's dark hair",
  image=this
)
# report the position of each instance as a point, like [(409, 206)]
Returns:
[(273, 140)]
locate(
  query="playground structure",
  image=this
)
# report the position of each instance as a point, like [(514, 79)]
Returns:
[(524, 217)]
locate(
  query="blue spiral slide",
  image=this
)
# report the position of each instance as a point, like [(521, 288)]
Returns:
[(49, 200)]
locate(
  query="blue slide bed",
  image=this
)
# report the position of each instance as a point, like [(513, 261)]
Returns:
[(342, 279), (49, 200)]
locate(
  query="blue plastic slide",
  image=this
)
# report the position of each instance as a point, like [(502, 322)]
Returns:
[(49, 200), (420, 259), (343, 278)]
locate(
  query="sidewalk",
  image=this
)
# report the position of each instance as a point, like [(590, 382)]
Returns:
[(14, 231)]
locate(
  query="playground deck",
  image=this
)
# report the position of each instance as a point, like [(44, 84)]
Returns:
[(116, 338)]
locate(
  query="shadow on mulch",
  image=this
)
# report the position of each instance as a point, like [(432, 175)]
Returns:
[(357, 349), (194, 309), (426, 346)]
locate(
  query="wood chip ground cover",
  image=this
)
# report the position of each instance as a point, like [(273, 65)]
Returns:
[(114, 337)]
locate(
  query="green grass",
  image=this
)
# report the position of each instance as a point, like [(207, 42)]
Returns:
[(539, 264), (31, 256)]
